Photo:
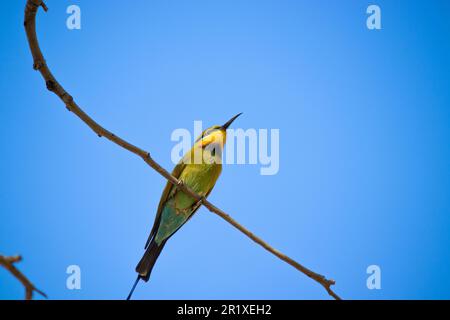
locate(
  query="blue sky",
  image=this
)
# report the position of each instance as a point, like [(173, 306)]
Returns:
[(364, 146)]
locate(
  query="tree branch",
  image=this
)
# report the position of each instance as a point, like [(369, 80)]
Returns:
[(8, 264), (53, 85)]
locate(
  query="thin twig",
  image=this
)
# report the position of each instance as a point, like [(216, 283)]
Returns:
[(54, 86), (8, 264)]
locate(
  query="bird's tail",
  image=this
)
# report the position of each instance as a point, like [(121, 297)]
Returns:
[(134, 287), (145, 266)]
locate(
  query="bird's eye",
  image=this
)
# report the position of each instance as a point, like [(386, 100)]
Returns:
[(207, 133)]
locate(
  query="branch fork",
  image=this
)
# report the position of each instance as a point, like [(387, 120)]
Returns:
[(9, 264)]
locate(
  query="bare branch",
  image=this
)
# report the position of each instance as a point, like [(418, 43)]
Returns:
[(8, 264), (54, 86)]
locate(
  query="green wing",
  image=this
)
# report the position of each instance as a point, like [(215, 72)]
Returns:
[(172, 219), (165, 196)]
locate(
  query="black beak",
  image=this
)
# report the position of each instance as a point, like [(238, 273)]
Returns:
[(229, 122)]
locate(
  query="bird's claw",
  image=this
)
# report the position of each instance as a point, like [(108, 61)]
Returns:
[(201, 200)]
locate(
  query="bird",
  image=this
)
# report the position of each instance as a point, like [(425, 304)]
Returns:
[(199, 169)]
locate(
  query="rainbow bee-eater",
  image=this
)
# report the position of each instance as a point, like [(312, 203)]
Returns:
[(199, 170)]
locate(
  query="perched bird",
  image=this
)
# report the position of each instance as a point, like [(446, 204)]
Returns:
[(199, 170)]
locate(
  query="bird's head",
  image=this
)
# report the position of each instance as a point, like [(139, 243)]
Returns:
[(215, 136)]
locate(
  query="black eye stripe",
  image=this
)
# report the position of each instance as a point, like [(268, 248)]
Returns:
[(207, 132)]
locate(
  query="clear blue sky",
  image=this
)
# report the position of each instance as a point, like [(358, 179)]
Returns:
[(364, 119)]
